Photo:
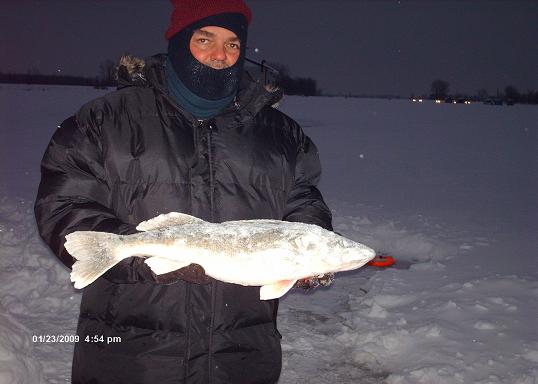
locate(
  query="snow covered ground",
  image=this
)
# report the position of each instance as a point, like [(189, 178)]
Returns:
[(449, 190)]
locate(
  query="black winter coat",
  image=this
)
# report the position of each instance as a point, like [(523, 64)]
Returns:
[(134, 154)]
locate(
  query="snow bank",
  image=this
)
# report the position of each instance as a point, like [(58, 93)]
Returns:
[(17, 364), (37, 302), (446, 330)]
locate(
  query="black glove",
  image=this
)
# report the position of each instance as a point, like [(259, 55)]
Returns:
[(129, 271), (193, 273), (315, 281), (135, 270)]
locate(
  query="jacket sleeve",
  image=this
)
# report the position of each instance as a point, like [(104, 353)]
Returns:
[(73, 195), (305, 203)]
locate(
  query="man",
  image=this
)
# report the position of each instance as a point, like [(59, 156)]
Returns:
[(190, 132)]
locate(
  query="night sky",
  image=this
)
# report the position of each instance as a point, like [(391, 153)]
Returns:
[(349, 47)]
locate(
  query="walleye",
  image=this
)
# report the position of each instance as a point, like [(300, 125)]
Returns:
[(271, 254)]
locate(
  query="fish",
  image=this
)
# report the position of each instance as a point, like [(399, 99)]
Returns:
[(271, 254)]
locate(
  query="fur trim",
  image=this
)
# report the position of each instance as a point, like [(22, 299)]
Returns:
[(130, 71), (276, 94), (134, 65)]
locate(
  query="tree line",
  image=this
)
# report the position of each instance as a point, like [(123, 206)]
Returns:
[(279, 76), (33, 78), (439, 90), (106, 77), (304, 86)]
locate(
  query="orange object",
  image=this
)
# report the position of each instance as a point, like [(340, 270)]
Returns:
[(382, 261)]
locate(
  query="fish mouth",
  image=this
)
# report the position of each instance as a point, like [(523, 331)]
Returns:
[(353, 265), (352, 261)]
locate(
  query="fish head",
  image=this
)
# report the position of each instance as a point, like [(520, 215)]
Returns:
[(336, 252), (348, 254)]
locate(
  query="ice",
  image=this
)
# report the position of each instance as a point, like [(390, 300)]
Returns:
[(485, 325), (448, 189)]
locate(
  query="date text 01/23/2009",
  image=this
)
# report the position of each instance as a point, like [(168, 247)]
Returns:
[(75, 339)]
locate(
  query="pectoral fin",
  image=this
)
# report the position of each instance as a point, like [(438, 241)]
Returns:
[(160, 265), (274, 291)]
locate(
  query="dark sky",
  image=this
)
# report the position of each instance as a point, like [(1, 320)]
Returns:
[(358, 47)]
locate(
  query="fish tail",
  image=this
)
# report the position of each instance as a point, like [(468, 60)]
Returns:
[(95, 253)]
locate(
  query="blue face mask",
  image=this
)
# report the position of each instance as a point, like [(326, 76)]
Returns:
[(202, 80), (201, 108)]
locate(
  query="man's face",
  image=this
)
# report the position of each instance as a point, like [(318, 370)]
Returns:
[(215, 47)]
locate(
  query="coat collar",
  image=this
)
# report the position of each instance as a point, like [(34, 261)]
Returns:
[(149, 72)]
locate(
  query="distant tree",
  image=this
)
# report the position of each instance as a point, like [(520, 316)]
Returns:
[(33, 71), (283, 79), (511, 93), (531, 97), (439, 89), (482, 94), (107, 72), (304, 86), (281, 68)]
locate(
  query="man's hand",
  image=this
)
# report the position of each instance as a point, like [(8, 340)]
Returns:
[(193, 273), (315, 281)]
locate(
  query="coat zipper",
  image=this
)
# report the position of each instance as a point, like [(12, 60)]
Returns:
[(188, 333), (211, 326), (211, 181), (213, 284)]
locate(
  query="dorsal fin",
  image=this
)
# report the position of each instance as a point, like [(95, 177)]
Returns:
[(168, 220)]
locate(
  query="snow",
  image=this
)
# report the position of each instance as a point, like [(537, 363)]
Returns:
[(449, 190)]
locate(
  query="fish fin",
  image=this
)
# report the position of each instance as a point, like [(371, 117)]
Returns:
[(274, 291), (168, 220), (160, 265), (94, 253)]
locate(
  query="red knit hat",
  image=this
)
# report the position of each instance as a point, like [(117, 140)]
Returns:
[(187, 12)]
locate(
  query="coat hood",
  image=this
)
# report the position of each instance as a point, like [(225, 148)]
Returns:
[(149, 72)]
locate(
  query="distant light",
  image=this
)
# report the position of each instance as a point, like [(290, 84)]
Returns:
[(437, 101), (467, 102), (256, 50), (454, 102), (414, 100), (420, 100)]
